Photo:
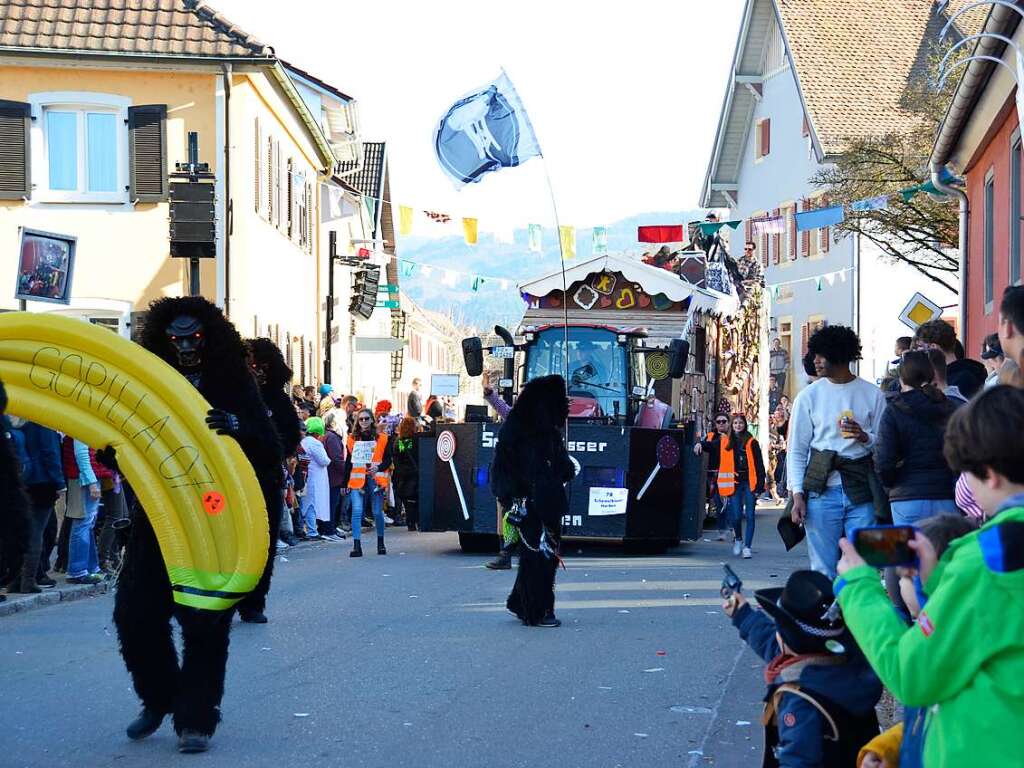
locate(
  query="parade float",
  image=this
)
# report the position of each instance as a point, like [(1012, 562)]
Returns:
[(649, 356)]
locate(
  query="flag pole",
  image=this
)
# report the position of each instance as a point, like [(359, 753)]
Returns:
[(561, 261)]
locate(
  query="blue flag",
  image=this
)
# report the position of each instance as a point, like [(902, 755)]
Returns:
[(877, 203), (486, 130), (819, 217)]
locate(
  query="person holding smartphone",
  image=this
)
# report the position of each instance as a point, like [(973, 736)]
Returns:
[(964, 659)]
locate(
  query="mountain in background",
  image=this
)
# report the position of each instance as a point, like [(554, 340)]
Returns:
[(497, 260)]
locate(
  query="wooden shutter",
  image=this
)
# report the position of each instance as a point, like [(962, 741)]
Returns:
[(776, 242), (791, 228), (804, 335), (290, 197), (15, 157), (301, 341), (277, 184), (805, 236), (147, 153), (766, 136), (270, 180), (257, 166), (824, 231)]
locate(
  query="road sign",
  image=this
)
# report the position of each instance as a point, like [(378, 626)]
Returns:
[(388, 304), (387, 288)]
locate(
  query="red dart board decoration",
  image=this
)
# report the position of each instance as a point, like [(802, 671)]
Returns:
[(213, 502)]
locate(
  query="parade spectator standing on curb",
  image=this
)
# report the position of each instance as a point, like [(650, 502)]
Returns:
[(1011, 325), (993, 359), (334, 444), (414, 405), (740, 481), (968, 376), (778, 363), (14, 506), (831, 432), (406, 477), (939, 366), (908, 451), (965, 658), (80, 466), (317, 501)]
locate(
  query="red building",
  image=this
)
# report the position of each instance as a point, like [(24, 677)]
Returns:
[(980, 138)]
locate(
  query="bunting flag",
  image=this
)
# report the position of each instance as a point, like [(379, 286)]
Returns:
[(878, 203), (484, 131), (469, 230), (404, 220), (818, 284), (772, 225), (477, 282), (407, 268), (533, 235), (663, 233), (427, 270), (503, 284), (711, 227), (567, 240), (600, 241), (450, 276), (819, 217), (371, 209), (438, 218)]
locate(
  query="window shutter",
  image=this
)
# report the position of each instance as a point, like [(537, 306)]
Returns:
[(270, 180), (277, 184), (776, 242), (763, 245), (804, 334), (290, 198), (15, 158), (301, 341), (805, 236), (766, 136), (147, 153), (791, 228), (823, 233)]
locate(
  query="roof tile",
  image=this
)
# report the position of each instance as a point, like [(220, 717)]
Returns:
[(188, 27)]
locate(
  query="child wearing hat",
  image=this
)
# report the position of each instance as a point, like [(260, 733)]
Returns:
[(820, 704)]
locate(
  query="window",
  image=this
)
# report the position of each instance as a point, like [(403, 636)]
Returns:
[(257, 171), (1015, 209), (989, 243), (762, 138), (80, 147)]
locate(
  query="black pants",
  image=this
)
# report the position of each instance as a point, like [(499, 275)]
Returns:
[(63, 540), (411, 509), (256, 600), (26, 562), (115, 520), (48, 541), (143, 608)]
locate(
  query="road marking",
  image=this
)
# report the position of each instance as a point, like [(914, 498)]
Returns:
[(653, 586), (624, 564), (568, 605)]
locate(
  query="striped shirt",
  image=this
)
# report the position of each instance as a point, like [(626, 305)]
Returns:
[(965, 499)]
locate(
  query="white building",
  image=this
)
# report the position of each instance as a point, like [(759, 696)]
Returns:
[(806, 77)]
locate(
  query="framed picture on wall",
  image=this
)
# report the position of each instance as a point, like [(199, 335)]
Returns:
[(45, 266)]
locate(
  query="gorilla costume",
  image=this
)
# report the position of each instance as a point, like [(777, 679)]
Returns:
[(193, 336), (531, 467)]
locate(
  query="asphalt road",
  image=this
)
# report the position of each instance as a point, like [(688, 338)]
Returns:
[(411, 660)]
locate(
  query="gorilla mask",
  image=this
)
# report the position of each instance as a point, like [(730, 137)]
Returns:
[(185, 334)]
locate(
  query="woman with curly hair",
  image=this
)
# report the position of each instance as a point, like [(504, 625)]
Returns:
[(831, 434), (405, 479), (531, 467)]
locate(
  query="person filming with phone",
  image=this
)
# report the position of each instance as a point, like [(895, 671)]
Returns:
[(964, 659)]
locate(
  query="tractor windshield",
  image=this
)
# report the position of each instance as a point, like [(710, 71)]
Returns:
[(598, 374)]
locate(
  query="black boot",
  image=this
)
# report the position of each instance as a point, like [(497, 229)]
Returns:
[(380, 546), (144, 725), (357, 549), (503, 562), (27, 583), (252, 616), (193, 742)]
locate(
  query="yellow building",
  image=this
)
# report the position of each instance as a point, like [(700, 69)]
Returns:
[(96, 104)]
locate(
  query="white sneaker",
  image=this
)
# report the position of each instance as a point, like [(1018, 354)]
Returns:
[(332, 539), (737, 547), (388, 520), (281, 545), (747, 554), (339, 535)]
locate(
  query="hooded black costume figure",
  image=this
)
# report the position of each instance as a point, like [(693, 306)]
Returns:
[(531, 467), (193, 336)]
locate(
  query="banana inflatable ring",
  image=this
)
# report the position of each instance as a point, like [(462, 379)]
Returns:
[(198, 489)]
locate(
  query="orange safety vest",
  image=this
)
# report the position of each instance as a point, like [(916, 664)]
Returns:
[(357, 479), (727, 468)]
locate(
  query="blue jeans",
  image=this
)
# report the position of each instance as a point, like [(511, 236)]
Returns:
[(83, 558), (308, 510), (830, 516), (743, 498), (909, 511), (376, 494)]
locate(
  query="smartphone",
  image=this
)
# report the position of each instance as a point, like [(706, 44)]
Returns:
[(731, 584), (885, 545)]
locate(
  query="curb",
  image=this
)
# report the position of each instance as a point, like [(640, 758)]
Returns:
[(60, 594)]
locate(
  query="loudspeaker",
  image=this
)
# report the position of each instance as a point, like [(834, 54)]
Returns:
[(679, 354), (473, 355)]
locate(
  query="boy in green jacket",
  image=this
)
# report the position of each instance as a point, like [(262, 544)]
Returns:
[(965, 657)]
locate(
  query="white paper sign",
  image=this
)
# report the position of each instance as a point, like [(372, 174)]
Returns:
[(362, 453), (444, 384), (503, 353), (607, 501)]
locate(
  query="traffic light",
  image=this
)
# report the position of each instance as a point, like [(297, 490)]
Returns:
[(364, 291)]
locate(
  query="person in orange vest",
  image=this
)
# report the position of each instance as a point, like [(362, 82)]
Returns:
[(710, 444), (740, 481), (368, 481)]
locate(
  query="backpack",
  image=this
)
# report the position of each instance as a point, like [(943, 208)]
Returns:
[(301, 470)]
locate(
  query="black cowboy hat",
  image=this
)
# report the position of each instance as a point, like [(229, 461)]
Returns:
[(802, 613)]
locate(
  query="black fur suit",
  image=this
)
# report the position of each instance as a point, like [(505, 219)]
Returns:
[(531, 462), (14, 506), (144, 605), (272, 374)]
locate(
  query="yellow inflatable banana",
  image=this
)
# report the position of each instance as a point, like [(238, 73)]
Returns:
[(198, 489)]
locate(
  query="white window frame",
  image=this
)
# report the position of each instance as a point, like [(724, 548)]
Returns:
[(77, 101)]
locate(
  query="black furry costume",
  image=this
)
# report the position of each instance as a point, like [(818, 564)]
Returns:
[(531, 463), (144, 604), (14, 505)]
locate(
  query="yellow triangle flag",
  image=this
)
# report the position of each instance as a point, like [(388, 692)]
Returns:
[(469, 230), (404, 220), (567, 236)]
